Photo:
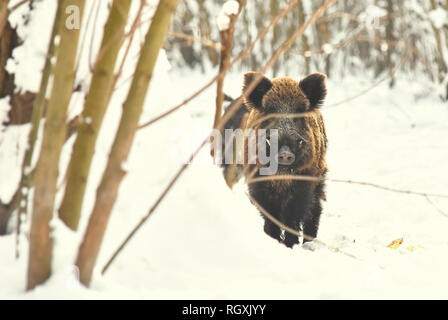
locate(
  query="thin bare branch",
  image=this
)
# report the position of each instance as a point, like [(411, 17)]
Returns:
[(436, 207), (19, 4), (369, 184), (226, 50), (84, 36)]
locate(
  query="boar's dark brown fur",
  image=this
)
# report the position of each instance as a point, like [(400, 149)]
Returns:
[(297, 204)]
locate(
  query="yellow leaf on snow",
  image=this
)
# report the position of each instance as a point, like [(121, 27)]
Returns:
[(395, 244), (412, 248)]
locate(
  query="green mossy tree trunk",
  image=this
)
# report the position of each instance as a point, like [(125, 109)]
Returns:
[(92, 116), (132, 108), (21, 201), (45, 179)]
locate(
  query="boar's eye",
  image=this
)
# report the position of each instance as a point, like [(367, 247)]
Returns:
[(301, 142)]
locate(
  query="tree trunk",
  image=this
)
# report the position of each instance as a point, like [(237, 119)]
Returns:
[(224, 62), (273, 9), (39, 263), (305, 45), (390, 38), (248, 62), (445, 27), (183, 25), (6, 211), (95, 107), (8, 41), (38, 105), (3, 15), (325, 36), (260, 19), (204, 29), (441, 63), (107, 191)]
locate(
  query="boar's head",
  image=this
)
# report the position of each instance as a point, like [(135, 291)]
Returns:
[(292, 108)]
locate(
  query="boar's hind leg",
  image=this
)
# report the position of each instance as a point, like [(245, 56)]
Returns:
[(311, 224), (271, 229)]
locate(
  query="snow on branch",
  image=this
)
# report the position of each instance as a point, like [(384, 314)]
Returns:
[(230, 8), (438, 17)]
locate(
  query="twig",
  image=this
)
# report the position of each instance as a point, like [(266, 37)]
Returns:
[(84, 36), (16, 6), (316, 179), (279, 115), (369, 184), (436, 207)]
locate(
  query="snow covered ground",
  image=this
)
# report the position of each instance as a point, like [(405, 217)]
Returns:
[(207, 242)]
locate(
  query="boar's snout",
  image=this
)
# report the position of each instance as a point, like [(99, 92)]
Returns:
[(285, 156)]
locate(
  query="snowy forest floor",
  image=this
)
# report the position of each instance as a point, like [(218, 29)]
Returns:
[(207, 242)]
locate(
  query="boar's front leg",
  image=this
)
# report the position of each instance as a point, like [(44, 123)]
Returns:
[(271, 229), (312, 219)]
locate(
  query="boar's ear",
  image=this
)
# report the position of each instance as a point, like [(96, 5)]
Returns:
[(253, 100), (315, 89)]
